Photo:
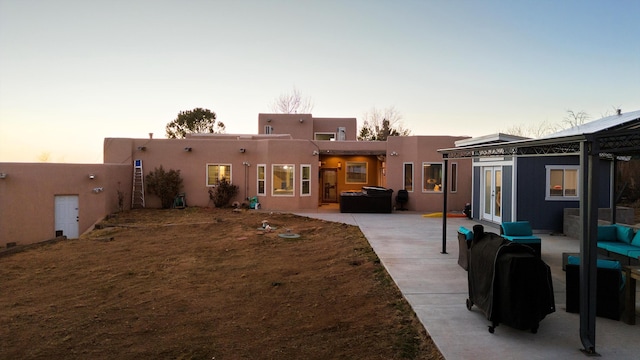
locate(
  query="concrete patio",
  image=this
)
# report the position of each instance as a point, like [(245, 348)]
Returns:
[(410, 246)]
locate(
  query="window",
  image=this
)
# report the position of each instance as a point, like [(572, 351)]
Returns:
[(268, 129), (262, 181), (431, 177), (305, 179), (562, 182), (283, 180), (325, 136), (407, 172), (454, 177), (217, 172), (356, 172)]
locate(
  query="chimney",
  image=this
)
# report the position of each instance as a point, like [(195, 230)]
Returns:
[(150, 135)]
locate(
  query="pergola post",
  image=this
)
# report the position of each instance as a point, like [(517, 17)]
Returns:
[(445, 190), (589, 156)]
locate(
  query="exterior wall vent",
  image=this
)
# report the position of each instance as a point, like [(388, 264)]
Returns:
[(342, 133), (268, 129)]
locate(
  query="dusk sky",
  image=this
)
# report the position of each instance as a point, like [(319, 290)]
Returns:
[(73, 72)]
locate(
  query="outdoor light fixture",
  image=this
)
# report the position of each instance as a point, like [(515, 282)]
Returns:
[(315, 152), (187, 149), (92, 176), (268, 120), (98, 190), (3, 175), (301, 120), (242, 150), (393, 153), (339, 165), (142, 148)]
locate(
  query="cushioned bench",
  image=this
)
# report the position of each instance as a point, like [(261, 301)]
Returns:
[(464, 243), (609, 291), (619, 242), (520, 232)]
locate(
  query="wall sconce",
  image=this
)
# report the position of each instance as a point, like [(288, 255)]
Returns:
[(3, 175), (92, 176), (315, 152), (98, 190), (246, 163), (242, 150), (187, 149), (142, 148), (339, 165), (393, 153), (268, 120), (301, 121)]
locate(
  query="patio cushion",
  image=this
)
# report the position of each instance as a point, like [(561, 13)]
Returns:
[(523, 239), (618, 247), (517, 228), (467, 233), (636, 239), (607, 233), (624, 233)]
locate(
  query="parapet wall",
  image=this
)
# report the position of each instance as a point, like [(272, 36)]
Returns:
[(571, 220)]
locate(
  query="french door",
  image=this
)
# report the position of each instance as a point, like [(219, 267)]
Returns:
[(492, 194)]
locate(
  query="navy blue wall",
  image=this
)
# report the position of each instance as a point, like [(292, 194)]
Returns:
[(475, 204), (531, 181), (507, 192)]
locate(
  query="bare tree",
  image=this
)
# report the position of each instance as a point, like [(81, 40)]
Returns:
[(378, 125), (532, 130), (292, 103), (574, 119)]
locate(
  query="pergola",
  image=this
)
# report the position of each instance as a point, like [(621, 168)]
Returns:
[(611, 137)]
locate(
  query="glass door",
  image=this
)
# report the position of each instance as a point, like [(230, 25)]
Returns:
[(492, 194), (329, 185)]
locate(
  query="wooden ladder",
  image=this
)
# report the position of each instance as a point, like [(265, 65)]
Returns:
[(137, 194)]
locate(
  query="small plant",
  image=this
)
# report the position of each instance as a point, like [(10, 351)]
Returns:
[(164, 184), (222, 194)]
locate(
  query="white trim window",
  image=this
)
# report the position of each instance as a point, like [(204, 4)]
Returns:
[(305, 180), (431, 177), (356, 172), (407, 175), (562, 182), (327, 136), (217, 172), (283, 179), (262, 179)]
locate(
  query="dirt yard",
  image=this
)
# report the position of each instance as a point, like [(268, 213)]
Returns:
[(204, 283)]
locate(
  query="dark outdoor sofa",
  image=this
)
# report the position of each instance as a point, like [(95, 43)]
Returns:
[(609, 291), (619, 242), (372, 199)]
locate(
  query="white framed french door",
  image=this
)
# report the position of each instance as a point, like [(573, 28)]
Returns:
[(492, 193)]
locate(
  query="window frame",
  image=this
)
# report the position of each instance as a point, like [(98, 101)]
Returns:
[(453, 186), (230, 180), (424, 180), (263, 179), (304, 180), (292, 172), (348, 180), (563, 197), (404, 176), (333, 136)]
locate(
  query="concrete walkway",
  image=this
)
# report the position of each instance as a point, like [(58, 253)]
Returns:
[(410, 246)]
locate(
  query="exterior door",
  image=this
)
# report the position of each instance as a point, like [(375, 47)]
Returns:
[(492, 194), (329, 185), (66, 215)]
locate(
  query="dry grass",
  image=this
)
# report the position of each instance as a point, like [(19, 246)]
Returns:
[(202, 284)]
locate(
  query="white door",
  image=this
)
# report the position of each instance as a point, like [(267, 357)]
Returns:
[(66, 208), (492, 194)]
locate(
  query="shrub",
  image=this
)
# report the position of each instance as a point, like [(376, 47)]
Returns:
[(164, 184), (222, 194)]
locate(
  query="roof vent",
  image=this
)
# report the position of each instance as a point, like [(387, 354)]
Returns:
[(619, 111)]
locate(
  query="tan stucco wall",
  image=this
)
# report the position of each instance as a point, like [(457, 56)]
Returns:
[(27, 196), (418, 150), (305, 129)]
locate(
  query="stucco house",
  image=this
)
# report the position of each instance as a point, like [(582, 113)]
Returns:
[(294, 162)]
